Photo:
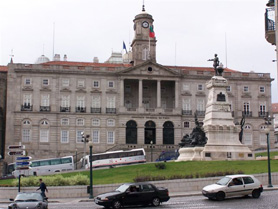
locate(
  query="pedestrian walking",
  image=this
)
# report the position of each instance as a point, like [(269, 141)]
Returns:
[(43, 188)]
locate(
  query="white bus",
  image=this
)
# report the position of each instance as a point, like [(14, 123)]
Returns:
[(114, 158), (47, 166)]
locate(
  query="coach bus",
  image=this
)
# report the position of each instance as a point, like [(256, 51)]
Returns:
[(47, 166), (114, 158)]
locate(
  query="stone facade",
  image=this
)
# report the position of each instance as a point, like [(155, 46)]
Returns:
[(123, 106)]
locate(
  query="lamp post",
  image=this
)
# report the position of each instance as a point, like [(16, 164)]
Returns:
[(91, 169), (267, 130), (75, 159), (151, 150)]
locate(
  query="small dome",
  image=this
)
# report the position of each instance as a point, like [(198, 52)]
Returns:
[(42, 59)]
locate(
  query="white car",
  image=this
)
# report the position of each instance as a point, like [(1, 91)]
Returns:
[(234, 185)]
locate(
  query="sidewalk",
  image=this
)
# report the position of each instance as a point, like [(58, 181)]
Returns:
[(174, 194)]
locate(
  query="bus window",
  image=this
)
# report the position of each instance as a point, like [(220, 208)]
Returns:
[(114, 155), (139, 152), (66, 160), (44, 162), (35, 164), (95, 157), (123, 154), (130, 154), (55, 161)]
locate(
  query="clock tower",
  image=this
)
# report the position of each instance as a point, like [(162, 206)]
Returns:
[(144, 42)]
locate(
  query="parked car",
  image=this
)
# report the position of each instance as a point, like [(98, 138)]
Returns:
[(168, 155), (133, 194), (234, 185), (30, 200)]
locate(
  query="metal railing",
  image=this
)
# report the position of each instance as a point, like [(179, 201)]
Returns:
[(45, 108), (26, 107), (80, 109), (187, 112), (111, 110), (95, 110), (64, 109)]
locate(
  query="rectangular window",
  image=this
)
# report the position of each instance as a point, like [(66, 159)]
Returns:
[(245, 88), (186, 87), (65, 82), (247, 138), (246, 107), (80, 122), (65, 101), (65, 121), (27, 81), (80, 101), (110, 122), (200, 105), (95, 122), (110, 84), (111, 102), (64, 136), (96, 84), (44, 133), (95, 136), (95, 101), (229, 88), (262, 108), (27, 100), (262, 89), (186, 104), (26, 135), (200, 87), (186, 124), (45, 82), (79, 136), (45, 100), (81, 83), (110, 137)]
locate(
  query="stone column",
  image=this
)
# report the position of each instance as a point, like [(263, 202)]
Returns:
[(177, 93), (140, 93), (122, 93), (158, 94)]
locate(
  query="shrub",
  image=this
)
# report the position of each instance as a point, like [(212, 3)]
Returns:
[(160, 165)]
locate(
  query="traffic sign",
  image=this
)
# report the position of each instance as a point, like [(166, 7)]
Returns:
[(16, 147), (16, 152), (23, 158), (23, 163)]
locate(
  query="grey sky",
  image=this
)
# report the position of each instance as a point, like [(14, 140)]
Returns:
[(188, 32)]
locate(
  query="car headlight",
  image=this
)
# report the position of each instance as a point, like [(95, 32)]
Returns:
[(104, 199)]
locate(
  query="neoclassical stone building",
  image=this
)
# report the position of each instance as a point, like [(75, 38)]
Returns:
[(123, 105)]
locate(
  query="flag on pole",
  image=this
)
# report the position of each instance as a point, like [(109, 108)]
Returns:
[(152, 35), (124, 47)]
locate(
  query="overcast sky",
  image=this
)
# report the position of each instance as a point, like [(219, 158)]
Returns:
[(188, 32)]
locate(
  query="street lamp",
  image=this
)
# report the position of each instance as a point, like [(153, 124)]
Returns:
[(151, 150), (85, 139), (91, 169), (267, 130)]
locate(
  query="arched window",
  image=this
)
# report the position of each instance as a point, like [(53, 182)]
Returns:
[(131, 132), (150, 132), (26, 130), (168, 133)]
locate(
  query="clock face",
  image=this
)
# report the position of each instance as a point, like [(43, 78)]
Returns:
[(145, 24)]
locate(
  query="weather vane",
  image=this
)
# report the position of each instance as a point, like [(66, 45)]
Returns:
[(12, 55)]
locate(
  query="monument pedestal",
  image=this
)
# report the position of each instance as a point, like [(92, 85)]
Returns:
[(190, 154), (223, 135)]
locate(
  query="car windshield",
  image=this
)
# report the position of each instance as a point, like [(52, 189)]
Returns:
[(122, 188), (223, 181), (28, 197)]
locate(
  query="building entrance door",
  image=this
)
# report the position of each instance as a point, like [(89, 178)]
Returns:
[(131, 132), (150, 132), (168, 133)]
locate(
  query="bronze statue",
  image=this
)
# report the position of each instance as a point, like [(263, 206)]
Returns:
[(196, 138), (242, 122), (218, 69)]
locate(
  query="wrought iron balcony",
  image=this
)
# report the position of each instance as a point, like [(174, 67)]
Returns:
[(270, 25), (247, 113), (45, 108), (263, 114), (200, 112), (80, 109), (111, 110), (187, 112), (95, 110), (64, 109), (26, 107)]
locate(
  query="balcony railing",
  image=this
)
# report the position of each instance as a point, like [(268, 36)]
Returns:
[(111, 110), (187, 112), (270, 25), (64, 109), (80, 109), (131, 109), (150, 109), (45, 108), (200, 112), (263, 114), (95, 110), (247, 113), (26, 107)]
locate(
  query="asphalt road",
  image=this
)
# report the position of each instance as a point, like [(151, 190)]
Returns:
[(268, 200)]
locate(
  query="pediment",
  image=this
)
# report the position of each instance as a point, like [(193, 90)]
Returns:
[(150, 68)]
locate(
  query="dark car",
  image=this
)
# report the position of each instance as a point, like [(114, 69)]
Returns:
[(133, 194), (30, 200)]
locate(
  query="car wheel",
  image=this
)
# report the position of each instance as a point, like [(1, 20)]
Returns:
[(256, 193), (117, 204), (156, 201), (220, 196)]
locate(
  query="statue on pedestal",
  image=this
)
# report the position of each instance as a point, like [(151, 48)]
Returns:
[(196, 138), (218, 68)]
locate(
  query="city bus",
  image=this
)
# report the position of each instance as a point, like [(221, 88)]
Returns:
[(47, 166), (114, 158)]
